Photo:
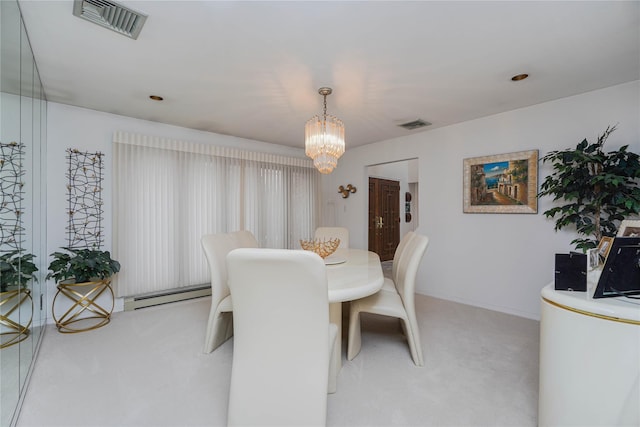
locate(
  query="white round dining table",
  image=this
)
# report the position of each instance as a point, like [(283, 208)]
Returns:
[(359, 276), (351, 274)]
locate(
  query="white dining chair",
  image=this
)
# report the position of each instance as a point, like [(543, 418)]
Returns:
[(282, 340), (390, 282), (395, 299), (216, 247), (327, 233)]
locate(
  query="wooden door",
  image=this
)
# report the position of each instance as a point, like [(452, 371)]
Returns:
[(384, 217)]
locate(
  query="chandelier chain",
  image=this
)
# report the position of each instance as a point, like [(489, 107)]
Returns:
[(325, 108)]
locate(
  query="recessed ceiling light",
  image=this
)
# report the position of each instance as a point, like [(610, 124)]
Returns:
[(519, 77), (156, 97)]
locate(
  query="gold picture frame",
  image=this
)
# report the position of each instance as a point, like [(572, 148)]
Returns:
[(503, 183), (629, 228), (604, 247)]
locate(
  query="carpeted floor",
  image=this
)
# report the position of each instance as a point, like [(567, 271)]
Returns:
[(146, 368), (386, 268)]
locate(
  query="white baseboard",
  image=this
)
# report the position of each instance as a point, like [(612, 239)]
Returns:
[(165, 297)]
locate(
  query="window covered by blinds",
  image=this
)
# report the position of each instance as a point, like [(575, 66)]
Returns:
[(168, 194)]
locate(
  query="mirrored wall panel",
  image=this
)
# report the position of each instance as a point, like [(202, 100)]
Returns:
[(22, 210)]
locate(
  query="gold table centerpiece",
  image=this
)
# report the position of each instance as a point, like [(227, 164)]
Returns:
[(322, 247)]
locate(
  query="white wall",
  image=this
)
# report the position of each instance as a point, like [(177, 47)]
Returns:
[(497, 261), (89, 130), (489, 260)]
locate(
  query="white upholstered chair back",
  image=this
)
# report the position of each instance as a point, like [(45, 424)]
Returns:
[(333, 232), (408, 265), (245, 239), (281, 346), (395, 299), (216, 247), (398, 253)]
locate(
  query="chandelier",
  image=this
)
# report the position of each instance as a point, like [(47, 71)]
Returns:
[(324, 138)]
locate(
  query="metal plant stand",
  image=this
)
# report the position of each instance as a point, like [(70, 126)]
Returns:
[(10, 301), (85, 308)]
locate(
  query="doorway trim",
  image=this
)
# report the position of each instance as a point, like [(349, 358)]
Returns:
[(377, 170)]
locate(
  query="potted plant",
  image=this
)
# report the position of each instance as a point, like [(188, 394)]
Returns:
[(16, 269), (83, 275), (82, 265), (599, 189)]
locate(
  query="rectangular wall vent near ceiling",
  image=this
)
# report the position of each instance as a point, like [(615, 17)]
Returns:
[(110, 15), (415, 124)]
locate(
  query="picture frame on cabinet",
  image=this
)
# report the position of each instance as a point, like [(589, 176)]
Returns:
[(629, 228), (604, 247), (593, 259), (503, 183)]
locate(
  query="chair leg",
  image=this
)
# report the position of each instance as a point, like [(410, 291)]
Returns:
[(334, 354), (411, 332), (335, 318), (219, 330), (403, 325), (355, 337)]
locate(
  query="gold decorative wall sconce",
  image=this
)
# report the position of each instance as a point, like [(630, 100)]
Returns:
[(345, 191)]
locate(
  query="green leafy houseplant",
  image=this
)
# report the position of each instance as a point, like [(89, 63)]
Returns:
[(600, 189), (82, 265), (16, 269)]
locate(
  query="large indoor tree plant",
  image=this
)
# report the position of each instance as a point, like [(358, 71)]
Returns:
[(599, 189)]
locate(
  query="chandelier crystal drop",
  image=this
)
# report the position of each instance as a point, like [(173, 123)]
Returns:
[(324, 138)]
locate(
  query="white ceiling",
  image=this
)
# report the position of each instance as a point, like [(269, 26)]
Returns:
[(252, 69)]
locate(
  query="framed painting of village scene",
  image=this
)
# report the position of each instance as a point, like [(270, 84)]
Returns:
[(503, 183)]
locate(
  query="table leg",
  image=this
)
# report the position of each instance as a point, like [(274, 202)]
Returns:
[(335, 317)]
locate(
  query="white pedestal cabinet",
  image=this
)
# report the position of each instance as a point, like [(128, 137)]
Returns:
[(589, 360)]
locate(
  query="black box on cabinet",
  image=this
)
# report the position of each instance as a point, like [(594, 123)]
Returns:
[(571, 272)]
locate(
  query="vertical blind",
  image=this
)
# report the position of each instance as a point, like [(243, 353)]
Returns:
[(167, 194)]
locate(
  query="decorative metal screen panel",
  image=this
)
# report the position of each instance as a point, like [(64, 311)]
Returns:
[(11, 196), (84, 194)]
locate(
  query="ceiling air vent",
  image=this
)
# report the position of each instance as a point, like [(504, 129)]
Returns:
[(415, 124), (110, 15)]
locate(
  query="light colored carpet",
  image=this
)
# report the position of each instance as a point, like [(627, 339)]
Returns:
[(386, 268), (146, 368)]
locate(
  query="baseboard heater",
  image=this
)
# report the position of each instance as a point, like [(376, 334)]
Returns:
[(165, 297)]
